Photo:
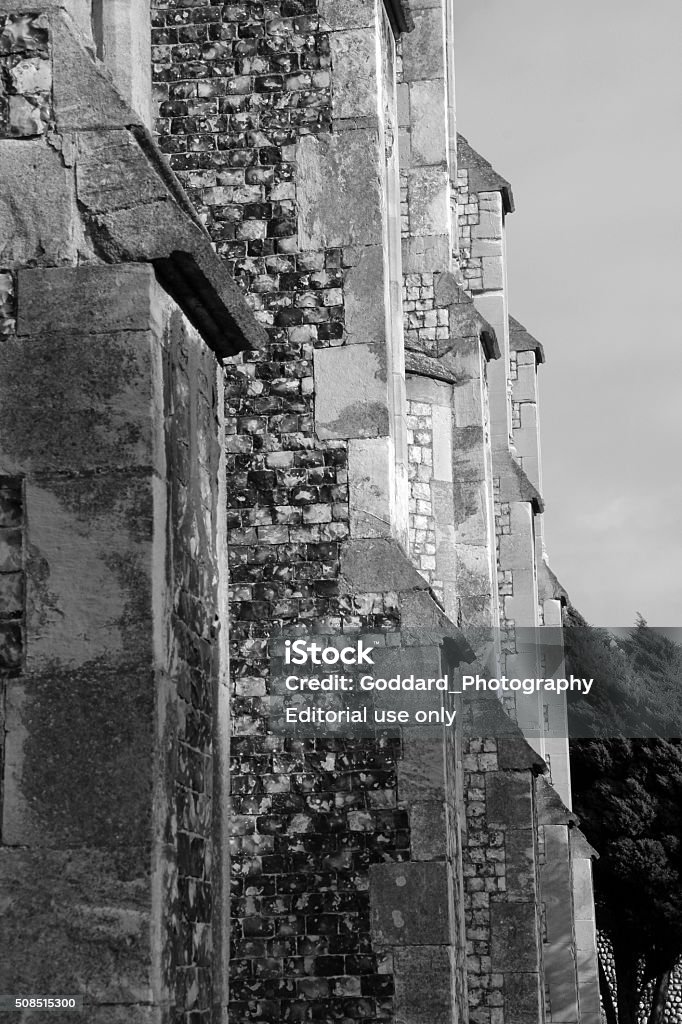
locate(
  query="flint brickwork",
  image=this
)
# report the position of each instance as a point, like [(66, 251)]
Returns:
[(238, 94)]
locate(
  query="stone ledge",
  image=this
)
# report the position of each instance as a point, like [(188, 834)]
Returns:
[(135, 208), (426, 366), (482, 175), (520, 340)]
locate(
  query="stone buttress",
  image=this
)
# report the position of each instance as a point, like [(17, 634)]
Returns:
[(113, 649)]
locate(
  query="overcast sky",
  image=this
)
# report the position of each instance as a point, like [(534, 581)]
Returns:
[(579, 105)]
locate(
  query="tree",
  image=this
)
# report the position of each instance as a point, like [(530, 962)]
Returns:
[(628, 795)]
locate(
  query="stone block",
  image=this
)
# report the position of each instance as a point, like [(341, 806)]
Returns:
[(370, 487), (80, 749), (85, 96), (424, 986), (39, 221), (428, 836), (355, 73), (487, 247), (432, 392), (519, 850), (513, 937), (493, 273), (363, 296), (409, 904), (515, 753), (522, 999), (508, 799), (421, 773), (87, 299), (351, 392), (77, 921), (126, 34), (442, 442), (368, 566), (424, 254), (113, 174), (339, 190), (423, 53), (90, 547), (11, 589), (429, 122), (347, 14), (103, 392), (526, 384), (429, 194)]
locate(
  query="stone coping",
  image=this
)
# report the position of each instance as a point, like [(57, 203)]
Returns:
[(482, 175), (521, 340)]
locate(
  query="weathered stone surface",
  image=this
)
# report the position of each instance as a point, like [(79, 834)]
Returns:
[(508, 799), (424, 985), (514, 938), (355, 82), (339, 195), (38, 216), (137, 212), (428, 137), (428, 836), (347, 14), (126, 42), (421, 773), (423, 254), (351, 392), (114, 174), (515, 753), (429, 199), (76, 921), (519, 848), (409, 904), (87, 299), (85, 96), (365, 319), (523, 999), (107, 397), (98, 530), (369, 487), (551, 808), (423, 47), (370, 565), (78, 764)]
